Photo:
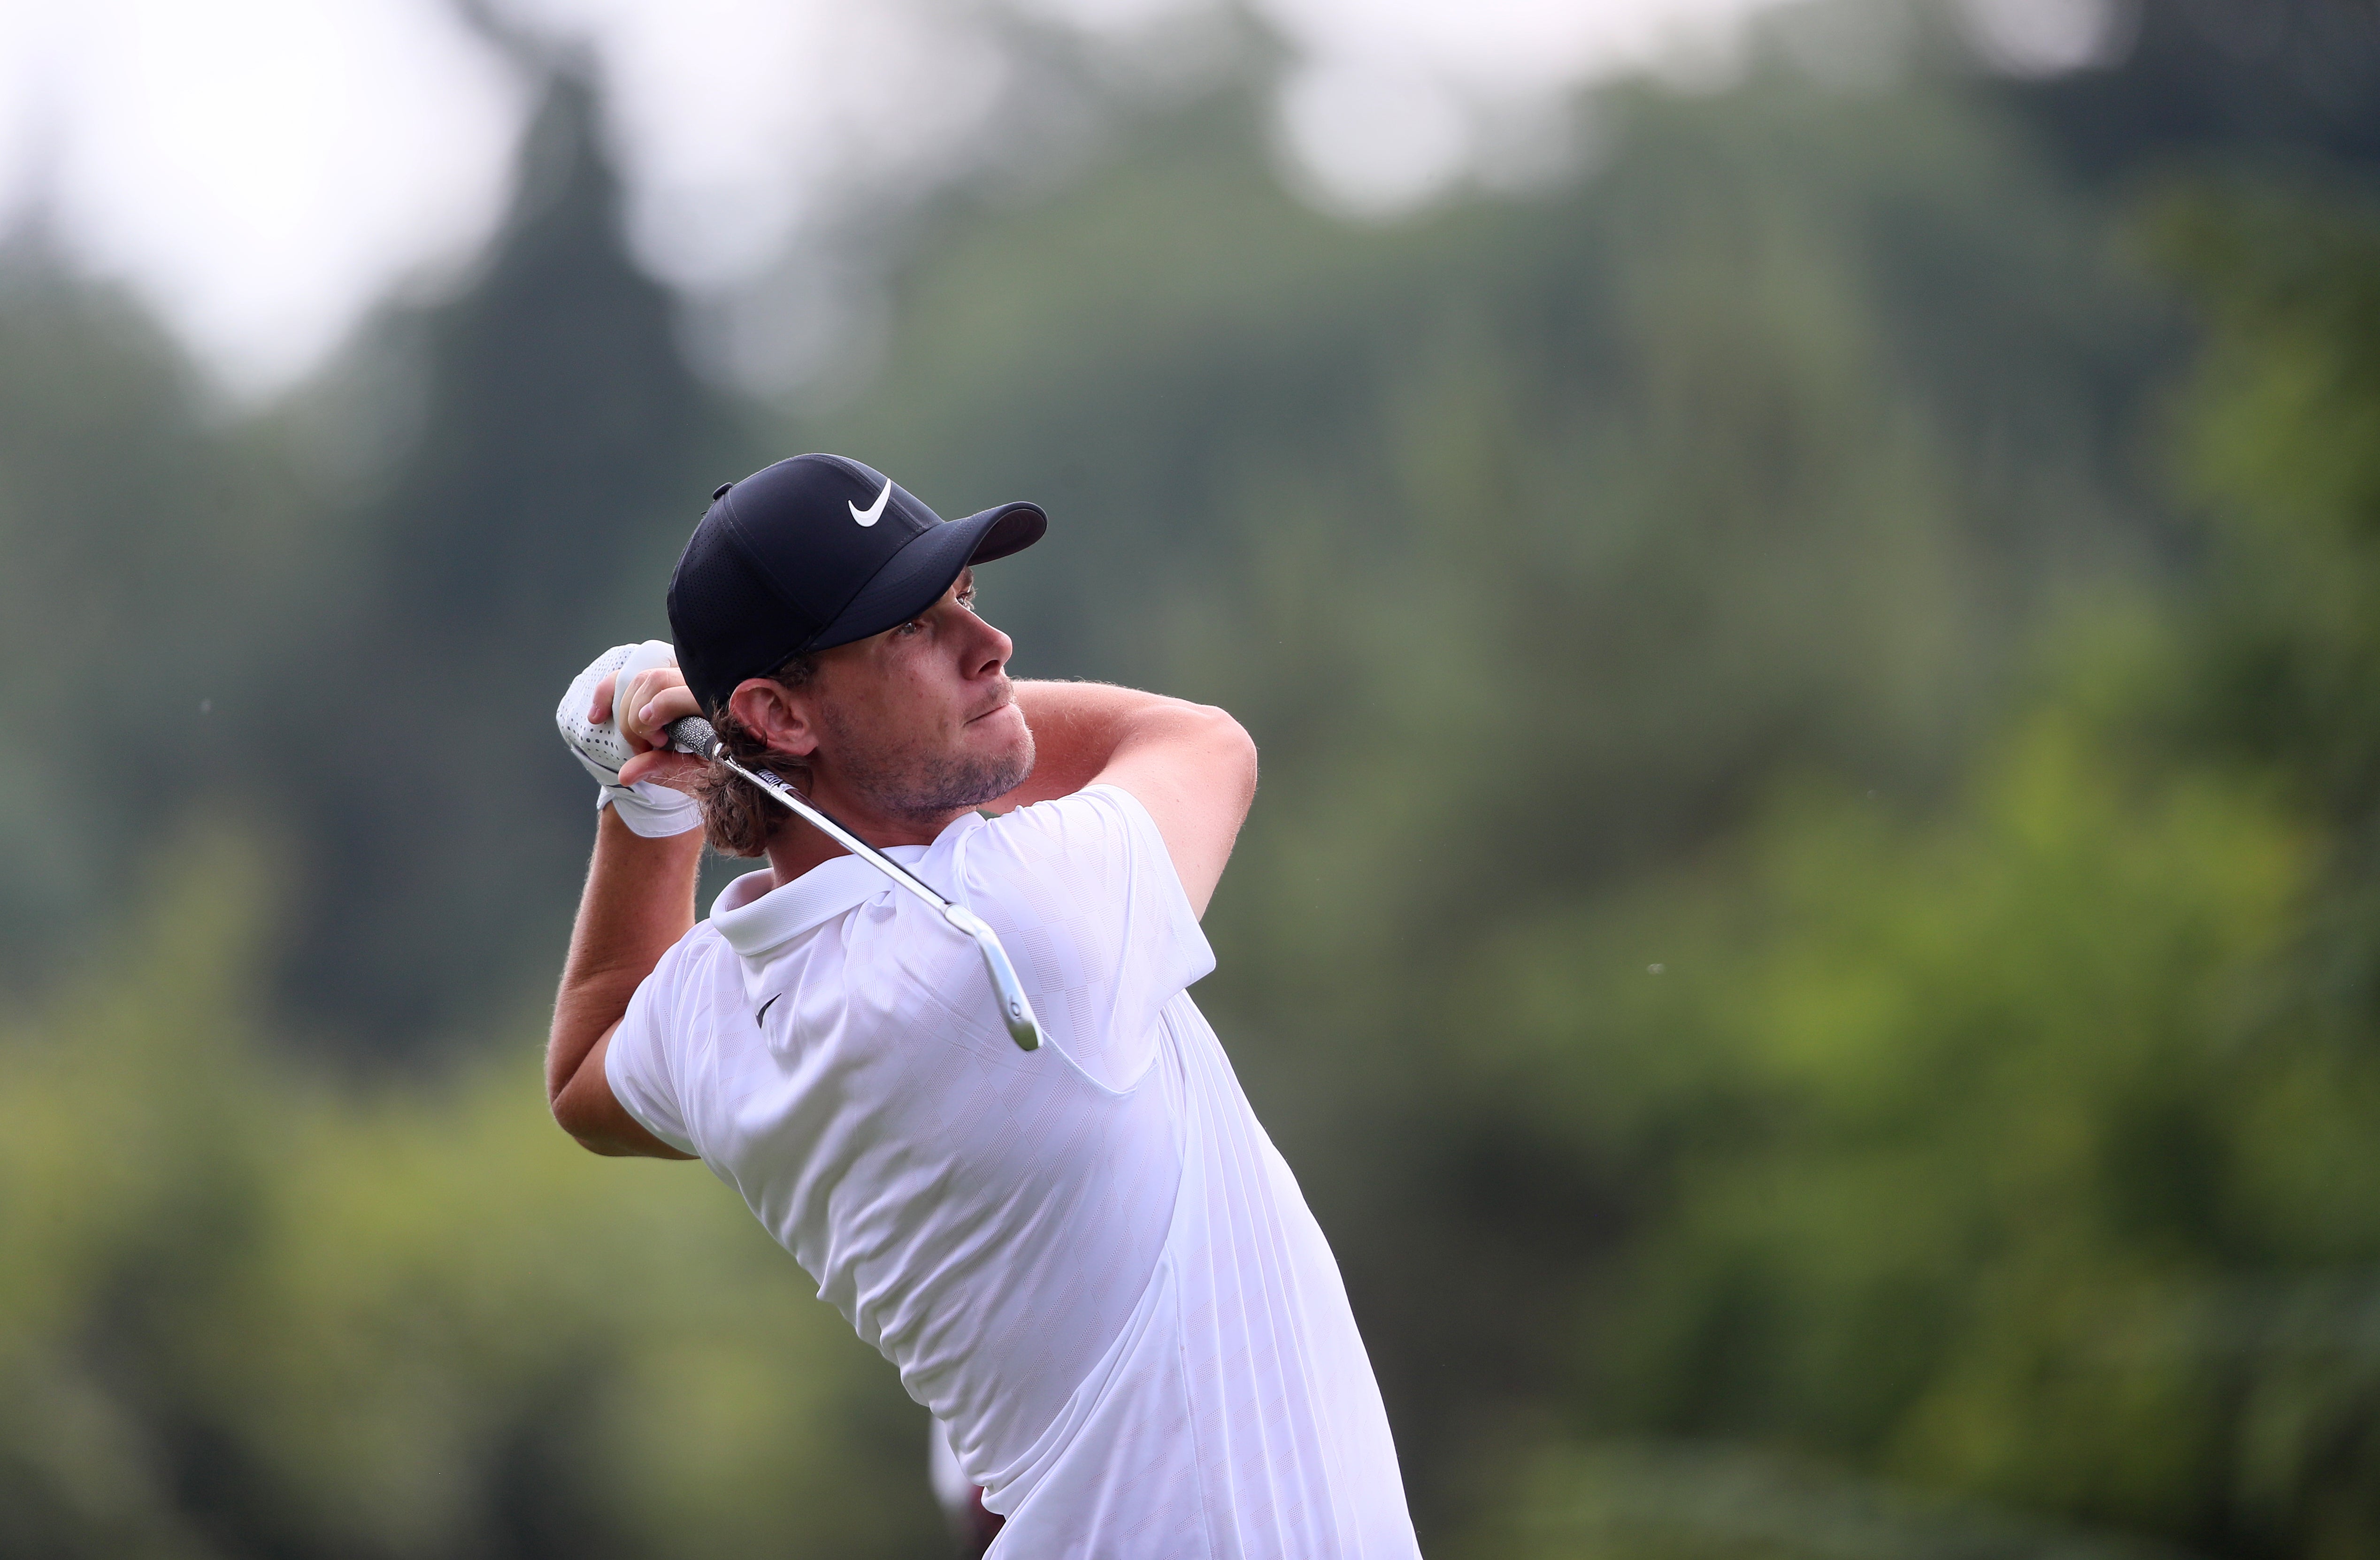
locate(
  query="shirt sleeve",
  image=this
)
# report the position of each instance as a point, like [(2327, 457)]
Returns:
[(1084, 894), (639, 1064)]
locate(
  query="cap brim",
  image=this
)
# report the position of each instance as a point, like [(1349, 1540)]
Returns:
[(914, 578)]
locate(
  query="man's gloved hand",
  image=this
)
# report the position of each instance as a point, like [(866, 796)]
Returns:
[(648, 807)]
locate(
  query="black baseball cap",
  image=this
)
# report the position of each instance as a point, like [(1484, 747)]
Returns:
[(815, 551)]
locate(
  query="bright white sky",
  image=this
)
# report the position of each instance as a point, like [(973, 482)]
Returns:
[(264, 171)]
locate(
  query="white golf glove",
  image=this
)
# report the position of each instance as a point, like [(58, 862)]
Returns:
[(648, 807)]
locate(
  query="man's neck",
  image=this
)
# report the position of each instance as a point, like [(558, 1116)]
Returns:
[(796, 847)]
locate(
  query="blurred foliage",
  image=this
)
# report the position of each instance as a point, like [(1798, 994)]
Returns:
[(2022, 1151), (245, 1314), (2275, 83), (558, 449), (141, 545), (1810, 929), (1634, 1501)]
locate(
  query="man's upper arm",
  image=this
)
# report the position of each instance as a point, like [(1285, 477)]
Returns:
[(623, 1098), (1194, 768), (588, 1109)]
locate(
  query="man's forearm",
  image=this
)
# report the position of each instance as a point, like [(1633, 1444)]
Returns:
[(638, 902), (1192, 767), (1076, 729)]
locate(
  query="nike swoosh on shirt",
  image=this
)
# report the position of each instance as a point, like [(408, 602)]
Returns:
[(874, 511), (765, 1007)]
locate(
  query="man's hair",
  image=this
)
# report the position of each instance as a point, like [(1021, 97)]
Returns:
[(738, 816)]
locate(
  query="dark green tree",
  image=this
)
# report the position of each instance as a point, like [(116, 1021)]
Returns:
[(144, 538), (564, 450)]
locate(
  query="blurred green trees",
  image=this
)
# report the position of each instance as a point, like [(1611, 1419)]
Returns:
[(2023, 1153), (245, 1314), (1812, 945)]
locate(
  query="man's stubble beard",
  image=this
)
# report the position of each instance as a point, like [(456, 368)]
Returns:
[(899, 779)]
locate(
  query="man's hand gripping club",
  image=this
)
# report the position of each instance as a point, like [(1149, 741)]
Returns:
[(620, 754)]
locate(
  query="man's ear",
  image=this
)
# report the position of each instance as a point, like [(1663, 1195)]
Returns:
[(776, 714)]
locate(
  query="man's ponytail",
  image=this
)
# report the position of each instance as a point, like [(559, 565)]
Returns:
[(738, 817)]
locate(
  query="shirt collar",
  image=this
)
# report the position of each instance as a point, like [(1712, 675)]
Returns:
[(755, 918)]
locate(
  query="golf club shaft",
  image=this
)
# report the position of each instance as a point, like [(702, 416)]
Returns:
[(694, 735)]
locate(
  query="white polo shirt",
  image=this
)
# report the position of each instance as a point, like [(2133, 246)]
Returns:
[(1088, 1261)]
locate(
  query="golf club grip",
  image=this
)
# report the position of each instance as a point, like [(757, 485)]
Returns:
[(693, 734)]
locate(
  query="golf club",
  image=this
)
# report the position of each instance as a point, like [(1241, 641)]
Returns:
[(693, 734)]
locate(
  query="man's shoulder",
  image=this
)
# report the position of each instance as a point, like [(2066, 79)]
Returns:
[(692, 958), (1103, 819), (1089, 842), (703, 939)]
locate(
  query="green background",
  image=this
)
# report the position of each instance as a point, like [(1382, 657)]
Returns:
[(1810, 929)]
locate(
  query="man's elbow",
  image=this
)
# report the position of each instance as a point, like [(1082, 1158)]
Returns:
[(1244, 757), (1231, 753), (575, 1120), (596, 1122), (605, 1137), (581, 1116), (611, 1148)]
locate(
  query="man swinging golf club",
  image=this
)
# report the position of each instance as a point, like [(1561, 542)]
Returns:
[(1086, 1258)]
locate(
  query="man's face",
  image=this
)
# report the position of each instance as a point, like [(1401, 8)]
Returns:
[(918, 719)]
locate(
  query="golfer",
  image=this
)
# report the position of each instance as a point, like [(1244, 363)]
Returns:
[(1088, 1261)]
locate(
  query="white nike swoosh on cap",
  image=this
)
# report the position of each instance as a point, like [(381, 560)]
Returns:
[(874, 511)]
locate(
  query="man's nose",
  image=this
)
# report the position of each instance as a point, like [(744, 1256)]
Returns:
[(996, 649)]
